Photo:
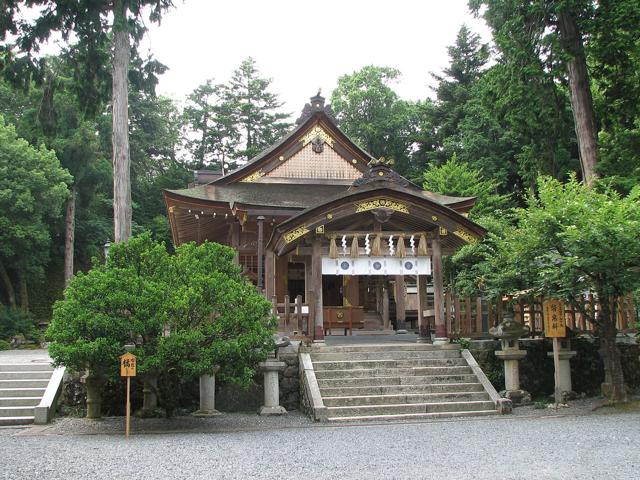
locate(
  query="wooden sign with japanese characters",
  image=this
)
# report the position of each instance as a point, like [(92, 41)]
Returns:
[(128, 365), (554, 324)]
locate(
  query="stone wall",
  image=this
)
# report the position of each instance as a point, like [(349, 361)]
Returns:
[(290, 377), (536, 369)]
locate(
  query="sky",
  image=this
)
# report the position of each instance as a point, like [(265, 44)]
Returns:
[(306, 45)]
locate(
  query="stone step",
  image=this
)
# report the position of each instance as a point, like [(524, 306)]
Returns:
[(29, 383), (26, 367), (404, 398), (319, 348), (22, 392), (19, 411), (390, 372), (41, 375), (409, 408), (19, 401), (395, 380), (386, 355), (10, 421), (412, 416), (399, 389), (375, 364)]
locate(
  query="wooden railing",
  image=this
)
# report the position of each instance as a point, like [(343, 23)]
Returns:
[(296, 318), (473, 316)]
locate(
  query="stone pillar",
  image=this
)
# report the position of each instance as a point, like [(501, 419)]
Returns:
[(424, 333), (260, 220), (511, 355), (316, 287), (401, 316), (270, 368), (438, 291), (208, 395), (564, 380)]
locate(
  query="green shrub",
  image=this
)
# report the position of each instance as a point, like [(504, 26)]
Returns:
[(14, 321), (4, 345)]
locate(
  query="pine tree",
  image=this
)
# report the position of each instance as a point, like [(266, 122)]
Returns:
[(254, 109)]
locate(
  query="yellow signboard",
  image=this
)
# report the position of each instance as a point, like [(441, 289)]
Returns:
[(128, 365), (554, 323)]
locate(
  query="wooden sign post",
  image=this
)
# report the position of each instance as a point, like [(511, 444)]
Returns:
[(128, 369), (555, 327)]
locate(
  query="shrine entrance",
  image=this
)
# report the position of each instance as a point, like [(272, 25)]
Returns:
[(365, 248)]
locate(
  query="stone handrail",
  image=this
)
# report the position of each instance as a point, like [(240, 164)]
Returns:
[(312, 390), (46, 409), (503, 405)]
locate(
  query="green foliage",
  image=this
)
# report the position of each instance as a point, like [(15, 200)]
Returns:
[(214, 315), (253, 109), (373, 115), (33, 188), (14, 321), (461, 179), (4, 345)]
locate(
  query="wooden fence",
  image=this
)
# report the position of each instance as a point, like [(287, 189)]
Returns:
[(294, 317), (472, 317)]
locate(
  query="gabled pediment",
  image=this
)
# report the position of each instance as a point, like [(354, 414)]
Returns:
[(316, 151)]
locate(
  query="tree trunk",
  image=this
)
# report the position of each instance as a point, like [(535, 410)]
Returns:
[(121, 162), (24, 291), (94, 385), (8, 286), (150, 393), (613, 386), (581, 100), (69, 236)]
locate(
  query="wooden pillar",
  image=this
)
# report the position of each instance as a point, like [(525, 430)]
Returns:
[(401, 316), (438, 291), (424, 335), (316, 287), (260, 220), (235, 241), (269, 274), (385, 306)]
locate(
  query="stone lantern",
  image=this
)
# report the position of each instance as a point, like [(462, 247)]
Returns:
[(271, 368), (509, 332)]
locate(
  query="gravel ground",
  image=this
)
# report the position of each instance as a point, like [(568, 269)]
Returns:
[(594, 446)]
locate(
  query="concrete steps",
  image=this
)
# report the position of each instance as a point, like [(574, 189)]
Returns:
[(22, 386), (397, 381)]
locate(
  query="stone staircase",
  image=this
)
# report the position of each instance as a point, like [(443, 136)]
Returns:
[(398, 381), (22, 386)]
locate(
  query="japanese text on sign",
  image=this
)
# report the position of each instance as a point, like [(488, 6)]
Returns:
[(554, 323), (128, 365)]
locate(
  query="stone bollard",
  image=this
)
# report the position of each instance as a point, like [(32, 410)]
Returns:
[(271, 367), (508, 332), (565, 354), (208, 395)]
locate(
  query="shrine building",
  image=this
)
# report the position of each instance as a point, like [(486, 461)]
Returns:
[(335, 238)]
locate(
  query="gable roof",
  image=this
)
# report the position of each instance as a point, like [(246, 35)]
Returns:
[(317, 119)]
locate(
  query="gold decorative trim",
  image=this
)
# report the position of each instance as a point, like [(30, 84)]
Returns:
[(466, 236), (320, 229), (354, 161), (382, 203), (253, 177), (296, 233), (281, 158), (443, 231), (172, 208), (434, 218), (329, 216), (317, 131)]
